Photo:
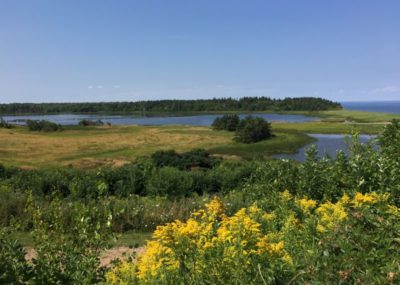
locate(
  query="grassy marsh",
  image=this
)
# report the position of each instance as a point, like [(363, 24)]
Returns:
[(329, 127), (356, 116), (102, 145), (117, 145), (88, 147)]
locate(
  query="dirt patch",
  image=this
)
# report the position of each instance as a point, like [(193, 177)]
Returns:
[(30, 253), (120, 252)]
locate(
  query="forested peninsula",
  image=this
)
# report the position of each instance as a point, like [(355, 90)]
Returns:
[(176, 106)]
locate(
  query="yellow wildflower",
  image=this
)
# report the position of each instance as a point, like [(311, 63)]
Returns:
[(238, 226), (121, 274), (156, 256), (290, 222), (392, 209), (287, 258), (360, 199), (306, 204), (253, 209), (265, 246), (330, 214), (269, 216), (215, 207), (285, 195), (321, 228), (345, 200), (190, 228), (368, 198)]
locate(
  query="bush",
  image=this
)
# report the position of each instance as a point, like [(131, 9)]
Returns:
[(43, 126), (252, 129), (12, 206), (69, 253), (279, 240), (390, 139), (86, 123), (187, 160), (66, 253), (226, 122), (171, 182), (14, 269)]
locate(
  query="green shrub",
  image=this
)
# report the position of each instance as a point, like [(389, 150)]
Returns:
[(69, 253), (191, 159), (171, 182), (43, 126), (252, 129), (86, 123), (226, 122), (14, 269), (12, 206)]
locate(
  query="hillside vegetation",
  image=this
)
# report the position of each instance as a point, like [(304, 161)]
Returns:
[(175, 106), (324, 221)]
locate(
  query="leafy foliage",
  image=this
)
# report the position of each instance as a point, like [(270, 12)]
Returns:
[(187, 160), (69, 255), (43, 126), (13, 267), (252, 129), (86, 123), (226, 122), (65, 254)]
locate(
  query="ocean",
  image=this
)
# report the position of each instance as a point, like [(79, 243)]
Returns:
[(377, 106)]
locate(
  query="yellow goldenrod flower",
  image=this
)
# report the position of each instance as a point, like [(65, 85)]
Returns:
[(121, 274), (330, 214), (368, 198), (215, 207), (285, 195), (287, 258), (269, 216), (306, 204)]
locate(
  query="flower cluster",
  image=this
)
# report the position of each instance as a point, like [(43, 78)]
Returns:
[(252, 245)]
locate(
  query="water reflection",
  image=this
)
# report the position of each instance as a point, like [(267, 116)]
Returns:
[(326, 145)]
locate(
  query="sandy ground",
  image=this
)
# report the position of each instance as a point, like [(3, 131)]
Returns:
[(121, 252)]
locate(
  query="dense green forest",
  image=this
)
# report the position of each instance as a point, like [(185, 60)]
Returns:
[(161, 106)]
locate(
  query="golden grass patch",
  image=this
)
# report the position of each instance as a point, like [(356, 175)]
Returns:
[(98, 146)]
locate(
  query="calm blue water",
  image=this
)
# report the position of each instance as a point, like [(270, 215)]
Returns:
[(326, 144), (199, 120), (378, 106)]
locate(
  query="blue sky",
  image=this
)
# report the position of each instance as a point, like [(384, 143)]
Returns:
[(116, 50)]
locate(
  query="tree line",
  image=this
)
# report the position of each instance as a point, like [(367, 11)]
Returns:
[(165, 106)]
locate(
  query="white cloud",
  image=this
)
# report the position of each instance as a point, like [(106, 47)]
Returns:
[(387, 89), (99, 87), (90, 87), (116, 86)]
